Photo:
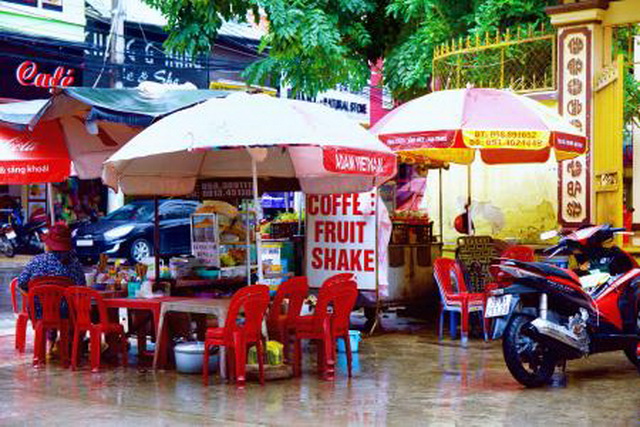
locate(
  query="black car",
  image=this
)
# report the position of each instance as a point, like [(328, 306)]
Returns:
[(128, 231)]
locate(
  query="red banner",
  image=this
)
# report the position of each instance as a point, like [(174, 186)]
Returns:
[(570, 143), (33, 157), (359, 162), (416, 140)]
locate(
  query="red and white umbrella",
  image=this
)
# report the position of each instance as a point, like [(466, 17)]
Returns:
[(233, 136), (254, 136), (451, 125)]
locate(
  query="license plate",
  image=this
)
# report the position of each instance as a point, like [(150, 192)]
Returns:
[(498, 306), (84, 243), (11, 235)]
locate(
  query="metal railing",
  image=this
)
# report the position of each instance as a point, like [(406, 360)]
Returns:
[(523, 59)]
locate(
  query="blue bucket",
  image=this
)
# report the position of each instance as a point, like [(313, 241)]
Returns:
[(354, 337)]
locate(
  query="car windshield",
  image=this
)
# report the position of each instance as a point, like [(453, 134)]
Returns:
[(139, 211)]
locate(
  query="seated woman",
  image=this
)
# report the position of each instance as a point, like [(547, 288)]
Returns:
[(58, 260)]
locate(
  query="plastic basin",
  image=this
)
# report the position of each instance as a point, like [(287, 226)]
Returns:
[(354, 338), (189, 358)]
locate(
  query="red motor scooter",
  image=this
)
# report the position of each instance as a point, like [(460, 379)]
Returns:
[(547, 315)]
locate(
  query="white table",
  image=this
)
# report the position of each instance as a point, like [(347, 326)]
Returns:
[(215, 307)]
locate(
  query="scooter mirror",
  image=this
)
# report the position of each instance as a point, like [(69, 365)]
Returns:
[(547, 235)]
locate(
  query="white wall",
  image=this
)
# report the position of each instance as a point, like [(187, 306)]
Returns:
[(67, 24), (512, 202)]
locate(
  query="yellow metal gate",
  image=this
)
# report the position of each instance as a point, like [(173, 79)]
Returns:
[(607, 144)]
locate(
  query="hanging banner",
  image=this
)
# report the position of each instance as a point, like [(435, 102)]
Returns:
[(358, 162), (574, 68), (341, 238)]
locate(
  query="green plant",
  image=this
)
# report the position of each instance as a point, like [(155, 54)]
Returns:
[(623, 38), (314, 45)]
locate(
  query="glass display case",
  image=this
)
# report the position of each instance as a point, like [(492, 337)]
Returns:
[(226, 244)]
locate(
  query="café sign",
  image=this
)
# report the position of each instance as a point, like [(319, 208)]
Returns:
[(28, 73)]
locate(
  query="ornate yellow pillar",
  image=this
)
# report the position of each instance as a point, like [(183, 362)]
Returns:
[(579, 41), (590, 90)]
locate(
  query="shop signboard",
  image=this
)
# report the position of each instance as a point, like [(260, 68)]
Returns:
[(233, 190), (341, 238), (354, 105), (30, 69), (225, 190), (145, 58)]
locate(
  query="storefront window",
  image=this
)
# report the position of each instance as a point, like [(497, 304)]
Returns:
[(25, 2), (45, 4)]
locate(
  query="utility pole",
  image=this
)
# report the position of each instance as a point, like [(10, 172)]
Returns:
[(116, 50), (116, 60)]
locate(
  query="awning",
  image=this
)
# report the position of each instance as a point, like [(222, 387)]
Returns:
[(20, 114), (133, 107), (95, 123), (28, 157)]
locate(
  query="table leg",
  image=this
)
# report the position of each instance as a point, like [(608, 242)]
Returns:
[(158, 357)]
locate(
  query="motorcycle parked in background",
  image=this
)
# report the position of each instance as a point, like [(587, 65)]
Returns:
[(547, 315), (16, 236)]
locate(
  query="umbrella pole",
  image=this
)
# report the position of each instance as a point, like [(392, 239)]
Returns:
[(156, 237), (52, 213), (440, 207), (471, 230), (256, 205)]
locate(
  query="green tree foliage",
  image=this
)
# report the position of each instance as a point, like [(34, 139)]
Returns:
[(315, 44), (623, 45)]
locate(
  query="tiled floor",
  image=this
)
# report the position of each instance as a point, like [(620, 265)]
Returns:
[(401, 379)]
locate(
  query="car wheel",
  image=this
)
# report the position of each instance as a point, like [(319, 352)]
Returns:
[(140, 249)]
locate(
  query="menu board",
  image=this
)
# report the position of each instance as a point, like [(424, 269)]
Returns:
[(341, 237), (205, 243)]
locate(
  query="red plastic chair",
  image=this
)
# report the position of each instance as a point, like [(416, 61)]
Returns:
[(237, 336), (22, 315), (81, 301), (21, 311), (62, 281), (339, 278), (456, 301), (50, 299), (280, 325), (329, 322), (516, 252)]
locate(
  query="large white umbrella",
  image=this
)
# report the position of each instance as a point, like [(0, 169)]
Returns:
[(246, 135)]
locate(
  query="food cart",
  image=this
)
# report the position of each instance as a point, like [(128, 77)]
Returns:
[(354, 233)]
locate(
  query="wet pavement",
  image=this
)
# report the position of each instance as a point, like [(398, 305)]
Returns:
[(400, 379), (8, 271)]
